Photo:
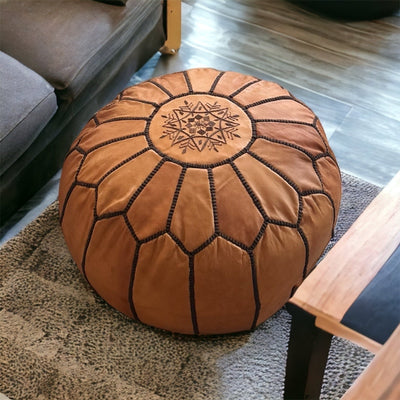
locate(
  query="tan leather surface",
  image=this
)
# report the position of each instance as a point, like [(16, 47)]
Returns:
[(212, 195), (108, 271)]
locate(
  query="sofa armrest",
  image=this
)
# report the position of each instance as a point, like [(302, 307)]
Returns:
[(172, 14)]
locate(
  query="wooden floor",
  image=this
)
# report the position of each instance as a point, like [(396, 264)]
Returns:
[(347, 72)]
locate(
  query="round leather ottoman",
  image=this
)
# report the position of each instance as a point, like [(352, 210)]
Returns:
[(198, 201)]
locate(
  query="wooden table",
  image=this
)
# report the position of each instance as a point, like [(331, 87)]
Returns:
[(353, 293)]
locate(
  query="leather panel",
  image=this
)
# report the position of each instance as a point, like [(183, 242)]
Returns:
[(223, 288), (104, 158), (109, 271), (283, 270), (290, 162), (149, 212), (110, 131), (231, 199), (232, 81), (115, 191), (260, 91), (295, 134), (194, 204), (317, 225), (78, 220), (161, 287), (72, 163), (202, 79), (278, 199)]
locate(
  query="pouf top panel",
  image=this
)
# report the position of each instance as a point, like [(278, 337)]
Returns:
[(197, 201)]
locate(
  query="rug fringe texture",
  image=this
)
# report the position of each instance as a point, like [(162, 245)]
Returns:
[(60, 340)]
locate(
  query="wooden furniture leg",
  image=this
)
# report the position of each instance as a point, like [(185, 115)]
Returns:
[(172, 14), (307, 356)]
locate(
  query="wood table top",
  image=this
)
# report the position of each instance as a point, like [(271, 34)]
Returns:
[(339, 279)]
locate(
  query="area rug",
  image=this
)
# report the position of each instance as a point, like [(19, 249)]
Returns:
[(59, 340)]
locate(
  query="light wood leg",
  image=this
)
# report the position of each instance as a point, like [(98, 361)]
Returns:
[(173, 27)]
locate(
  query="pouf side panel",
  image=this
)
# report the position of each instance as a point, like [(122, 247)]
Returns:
[(223, 288), (294, 134), (317, 225), (175, 83), (146, 91), (202, 79), (280, 258), (231, 81), (160, 294), (108, 268), (259, 91), (87, 130), (284, 110), (110, 132), (279, 200), (194, 204), (235, 207), (115, 191), (331, 179), (125, 108), (290, 162), (70, 169), (102, 159), (78, 220), (149, 212)]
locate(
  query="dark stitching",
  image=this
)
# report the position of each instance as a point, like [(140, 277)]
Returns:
[(144, 183), (188, 83), (235, 93), (179, 243), (255, 290), (259, 235), (192, 296), (300, 210), (96, 120), (79, 150), (175, 198), (89, 238), (234, 241), (285, 121), (152, 103), (120, 164), (166, 91), (306, 246), (314, 124), (288, 144), (281, 223), (272, 168), (205, 244), (130, 227), (270, 100), (322, 155), (109, 215), (131, 282), (67, 196), (249, 191), (213, 199), (215, 83), (115, 140), (125, 119), (314, 163), (152, 237)]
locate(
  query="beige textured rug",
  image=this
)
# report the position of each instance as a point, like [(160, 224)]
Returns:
[(59, 340)]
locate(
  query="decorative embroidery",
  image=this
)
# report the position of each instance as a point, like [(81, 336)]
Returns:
[(199, 127)]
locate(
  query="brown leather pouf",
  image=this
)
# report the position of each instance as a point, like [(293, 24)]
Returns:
[(198, 201)]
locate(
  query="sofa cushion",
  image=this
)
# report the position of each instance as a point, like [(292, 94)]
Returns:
[(27, 102), (68, 42)]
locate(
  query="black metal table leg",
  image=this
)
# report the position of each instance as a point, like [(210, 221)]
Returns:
[(307, 356)]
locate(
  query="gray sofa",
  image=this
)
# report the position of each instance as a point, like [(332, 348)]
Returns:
[(60, 61)]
